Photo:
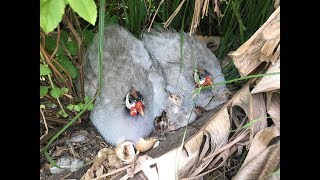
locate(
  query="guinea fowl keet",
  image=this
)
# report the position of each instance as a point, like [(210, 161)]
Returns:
[(197, 66), (133, 87)]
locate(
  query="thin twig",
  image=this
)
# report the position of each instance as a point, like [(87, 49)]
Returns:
[(57, 43), (113, 172), (166, 24), (47, 59), (155, 15), (45, 124), (79, 41)]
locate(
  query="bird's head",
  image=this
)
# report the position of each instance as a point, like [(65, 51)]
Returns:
[(135, 103), (203, 77)]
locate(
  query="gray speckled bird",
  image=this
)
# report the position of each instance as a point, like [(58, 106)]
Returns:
[(198, 63), (133, 87)]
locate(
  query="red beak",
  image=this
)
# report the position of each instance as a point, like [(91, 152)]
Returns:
[(207, 81), (139, 108)]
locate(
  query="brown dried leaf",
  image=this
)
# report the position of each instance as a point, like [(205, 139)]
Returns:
[(218, 129), (97, 164), (260, 142), (99, 171), (243, 100), (262, 165), (257, 110), (274, 108), (246, 57), (268, 48), (272, 31), (269, 83)]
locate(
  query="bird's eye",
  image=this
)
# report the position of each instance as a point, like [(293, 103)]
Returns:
[(176, 99)]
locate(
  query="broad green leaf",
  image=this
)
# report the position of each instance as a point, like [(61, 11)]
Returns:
[(90, 107), (81, 105), (51, 45), (43, 91), (63, 37), (77, 108), (70, 107), (51, 12), (67, 65), (87, 37), (44, 70), (87, 99), (63, 114), (65, 90), (56, 92), (72, 47), (86, 9)]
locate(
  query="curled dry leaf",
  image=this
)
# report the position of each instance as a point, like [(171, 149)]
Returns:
[(274, 107), (243, 99), (257, 111), (260, 142), (262, 165), (97, 163), (144, 145), (261, 45), (269, 83)]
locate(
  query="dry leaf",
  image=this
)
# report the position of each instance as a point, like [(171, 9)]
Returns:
[(273, 30), (260, 142), (99, 171), (261, 45), (97, 164), (257, 110), (262, 165), (274, 109), (269, 83), (243, 100)]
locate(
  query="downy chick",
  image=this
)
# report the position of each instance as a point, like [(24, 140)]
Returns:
[(197, 62), (133, 87)]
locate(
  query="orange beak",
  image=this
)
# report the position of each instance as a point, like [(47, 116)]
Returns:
[(207, 81), (140, 108)]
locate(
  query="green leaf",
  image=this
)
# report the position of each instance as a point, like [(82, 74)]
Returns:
[(51, 45), (43, 91), (63, 37), (56, 92), (63, 114), (87, 37), (51, 12), (111, 20), (72, 47), (81, 105), (44, 70), (86, 9), (68, 66), (65, 90), (70, 107), (90, 107), (77, 108), (87, 99)]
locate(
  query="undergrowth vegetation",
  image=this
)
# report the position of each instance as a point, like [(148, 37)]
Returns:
[(68, 28)]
